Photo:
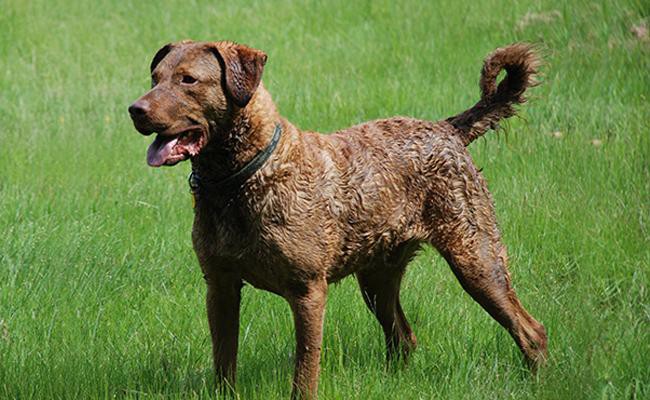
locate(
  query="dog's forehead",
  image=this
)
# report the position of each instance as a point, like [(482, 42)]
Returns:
[(188, 55)]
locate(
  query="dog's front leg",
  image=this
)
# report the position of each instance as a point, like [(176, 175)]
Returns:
[(308, 308), (223, 298)]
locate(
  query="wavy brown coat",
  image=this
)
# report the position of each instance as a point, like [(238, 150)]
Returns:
[(359, 201)]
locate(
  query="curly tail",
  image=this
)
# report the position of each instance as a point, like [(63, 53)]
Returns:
[(498, 102)]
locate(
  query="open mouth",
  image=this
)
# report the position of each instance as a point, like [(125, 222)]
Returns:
[(172, 148)]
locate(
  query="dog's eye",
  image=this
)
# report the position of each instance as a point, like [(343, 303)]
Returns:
[(188, 80)]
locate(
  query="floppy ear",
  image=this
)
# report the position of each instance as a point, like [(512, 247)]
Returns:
[(242, 68)]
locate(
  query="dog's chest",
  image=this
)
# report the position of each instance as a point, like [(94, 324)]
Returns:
[(231, 242)]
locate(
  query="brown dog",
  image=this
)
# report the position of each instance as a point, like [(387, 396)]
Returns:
[(291, 211)]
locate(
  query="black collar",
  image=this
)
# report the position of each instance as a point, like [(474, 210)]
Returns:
[(238, 178)]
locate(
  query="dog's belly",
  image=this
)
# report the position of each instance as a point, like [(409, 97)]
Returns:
[(276, 273), (262, 279)]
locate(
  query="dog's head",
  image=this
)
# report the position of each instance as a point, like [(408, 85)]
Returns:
[(196, 87)]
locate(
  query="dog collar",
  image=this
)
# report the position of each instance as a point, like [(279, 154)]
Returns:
[(238, 178)]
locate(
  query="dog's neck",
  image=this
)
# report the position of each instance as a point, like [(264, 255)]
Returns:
[(235, 143)]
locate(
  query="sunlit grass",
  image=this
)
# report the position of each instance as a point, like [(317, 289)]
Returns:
[(100, 292)]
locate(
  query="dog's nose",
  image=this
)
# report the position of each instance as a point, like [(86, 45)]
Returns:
[(139, 108)]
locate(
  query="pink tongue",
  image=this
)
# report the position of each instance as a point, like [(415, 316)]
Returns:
[(160, 149)]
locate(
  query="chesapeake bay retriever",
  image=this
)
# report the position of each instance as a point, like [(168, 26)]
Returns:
[(291, 211)]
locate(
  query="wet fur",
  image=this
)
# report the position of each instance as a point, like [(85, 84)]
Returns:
[(358, 201)]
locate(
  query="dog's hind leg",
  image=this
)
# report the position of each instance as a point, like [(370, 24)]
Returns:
[(471, 244), (380, 287)]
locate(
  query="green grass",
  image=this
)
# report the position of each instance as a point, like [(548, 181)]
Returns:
[(100, 292)]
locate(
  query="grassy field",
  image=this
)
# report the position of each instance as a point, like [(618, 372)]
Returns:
[(100, 292)]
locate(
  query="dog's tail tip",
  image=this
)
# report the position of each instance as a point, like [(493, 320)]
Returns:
[(521, 63)]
